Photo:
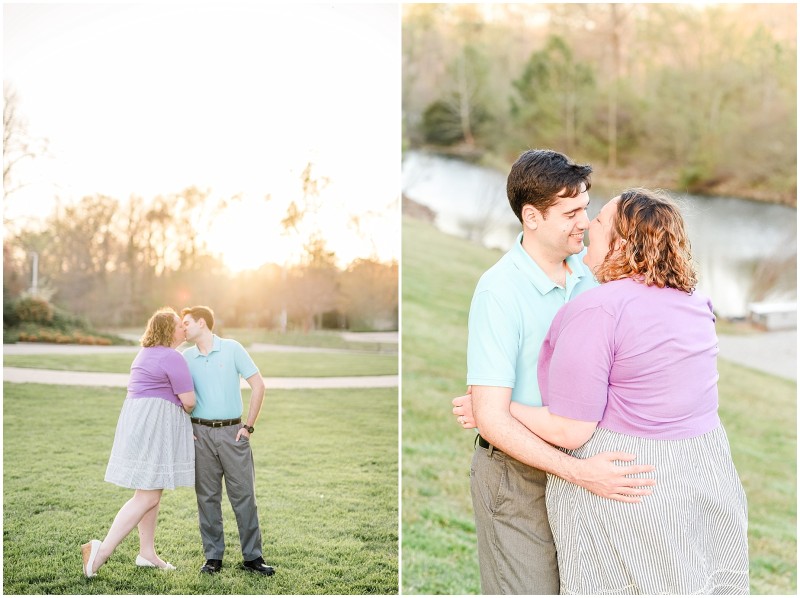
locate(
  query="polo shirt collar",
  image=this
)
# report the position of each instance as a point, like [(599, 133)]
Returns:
[(216, 345), (534, 273)]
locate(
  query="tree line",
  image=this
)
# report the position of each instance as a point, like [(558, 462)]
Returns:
[(113, 262), (105, 262), (701, 99)]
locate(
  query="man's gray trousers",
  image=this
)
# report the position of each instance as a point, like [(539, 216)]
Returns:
[(218, 455)]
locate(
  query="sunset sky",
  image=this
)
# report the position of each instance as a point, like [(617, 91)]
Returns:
[(237, 98)]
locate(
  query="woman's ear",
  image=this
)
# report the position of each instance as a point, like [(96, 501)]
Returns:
[(530, 216)]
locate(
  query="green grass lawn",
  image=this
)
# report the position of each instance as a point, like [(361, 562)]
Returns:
[(737, 327), (271, 364), (329, 339), (326, 476), (439, 547)]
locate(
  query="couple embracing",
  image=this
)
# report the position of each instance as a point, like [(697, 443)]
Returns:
[(157, 445), (642, 496)]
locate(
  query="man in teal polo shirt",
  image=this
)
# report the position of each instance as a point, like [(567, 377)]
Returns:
[(511, 311), (222, 441)]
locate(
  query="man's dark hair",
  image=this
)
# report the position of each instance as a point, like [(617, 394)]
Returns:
[(199, 312), (542, 177)]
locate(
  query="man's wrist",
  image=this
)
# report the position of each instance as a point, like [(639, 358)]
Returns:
[(571, 469), (250, 429)]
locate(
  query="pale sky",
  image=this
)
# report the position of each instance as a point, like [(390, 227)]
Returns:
[(150, 99)]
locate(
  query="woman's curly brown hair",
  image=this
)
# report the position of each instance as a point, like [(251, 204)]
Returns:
[(160, 328), (655, 248)]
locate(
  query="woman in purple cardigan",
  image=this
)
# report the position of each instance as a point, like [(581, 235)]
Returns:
[(153, 445), (632, 366)]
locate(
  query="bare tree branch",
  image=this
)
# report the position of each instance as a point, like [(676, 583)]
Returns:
[(18, 144)]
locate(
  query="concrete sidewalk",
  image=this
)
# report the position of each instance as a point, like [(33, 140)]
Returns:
[(771, 352), (63, 378)]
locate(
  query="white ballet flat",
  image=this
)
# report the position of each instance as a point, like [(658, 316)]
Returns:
[(143, 562), (88, 553)]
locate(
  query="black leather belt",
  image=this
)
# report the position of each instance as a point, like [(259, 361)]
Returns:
[(483, 443), (216, 423)]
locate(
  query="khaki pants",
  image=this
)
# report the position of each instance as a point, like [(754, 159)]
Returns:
[(516, 553)]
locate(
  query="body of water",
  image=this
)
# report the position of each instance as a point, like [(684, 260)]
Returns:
[(745, 251)]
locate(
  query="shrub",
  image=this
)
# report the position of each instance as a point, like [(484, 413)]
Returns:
[(34, 309), (10, 317), (33, 320), (66, 321), (441, 124), (48, 335)]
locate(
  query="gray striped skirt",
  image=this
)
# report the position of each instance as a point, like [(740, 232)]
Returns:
[(153, 446), (688, 537)]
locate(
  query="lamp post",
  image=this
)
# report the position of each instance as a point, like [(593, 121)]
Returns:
[(34, 290)]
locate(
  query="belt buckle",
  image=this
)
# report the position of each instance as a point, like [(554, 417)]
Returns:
[(216, 424)]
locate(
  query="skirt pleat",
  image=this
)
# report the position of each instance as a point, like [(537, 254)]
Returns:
[(688, 537), (153, 446)]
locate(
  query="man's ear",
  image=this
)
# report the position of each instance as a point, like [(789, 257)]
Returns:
[(530, 216)]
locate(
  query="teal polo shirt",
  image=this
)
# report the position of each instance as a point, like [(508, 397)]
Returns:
[(511, 311), (217, 387)]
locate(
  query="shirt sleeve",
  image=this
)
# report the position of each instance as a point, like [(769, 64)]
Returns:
[(493, 342), (177, 372), (575, 363), (244, 363)]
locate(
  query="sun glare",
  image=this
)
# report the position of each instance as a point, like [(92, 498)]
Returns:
[(241, 116), (249, 234)]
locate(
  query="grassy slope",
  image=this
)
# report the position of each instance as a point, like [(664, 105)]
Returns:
[(439, 556), (326, 482), (272, 364)]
